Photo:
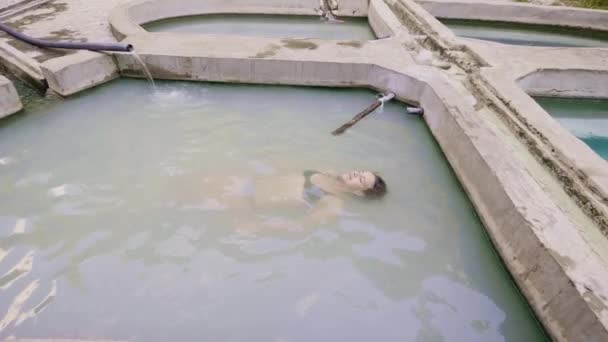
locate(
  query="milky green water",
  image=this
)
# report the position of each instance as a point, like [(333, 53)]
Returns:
[(270, 26), (127, 215), (585, 118), (531, 35)]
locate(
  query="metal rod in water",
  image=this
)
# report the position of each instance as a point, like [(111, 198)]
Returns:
[(379, 102), (327, 12), (66, 45)]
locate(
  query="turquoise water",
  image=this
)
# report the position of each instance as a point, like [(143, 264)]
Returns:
[(271, 26), (585, 118), (140, 216), (531, 35)]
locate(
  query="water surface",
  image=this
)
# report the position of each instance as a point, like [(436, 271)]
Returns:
[(585, 118), (128, 215), (270, 26), (521, 34)]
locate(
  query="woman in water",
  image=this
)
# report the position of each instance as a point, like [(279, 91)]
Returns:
[(311, 199), (359, 183)]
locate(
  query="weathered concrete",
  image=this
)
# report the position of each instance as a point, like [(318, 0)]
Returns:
[(126, 20), (73, 73), (517, 13), (9, 99), (540, 191), (383, 22), (21, 65)]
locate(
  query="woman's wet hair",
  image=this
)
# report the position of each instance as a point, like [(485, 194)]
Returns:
[(378, 190)]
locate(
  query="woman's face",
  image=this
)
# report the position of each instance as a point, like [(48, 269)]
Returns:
[(358, 181)]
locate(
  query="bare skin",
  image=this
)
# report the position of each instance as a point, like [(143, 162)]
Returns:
[(276, 202)]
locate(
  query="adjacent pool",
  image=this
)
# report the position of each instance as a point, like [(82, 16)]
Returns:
[(140, 216), (271, 26), (585, 118), (521, 34)]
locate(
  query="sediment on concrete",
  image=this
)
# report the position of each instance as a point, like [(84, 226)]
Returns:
[(9, 99), (127, 19), (575, 83)]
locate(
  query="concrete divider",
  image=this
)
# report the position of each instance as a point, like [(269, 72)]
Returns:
[(9, 99), (560, 276), (383, 20), (70, 74)]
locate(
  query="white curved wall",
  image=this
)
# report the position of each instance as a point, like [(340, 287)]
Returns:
[(128, 18), (566, 83), (518, 13)]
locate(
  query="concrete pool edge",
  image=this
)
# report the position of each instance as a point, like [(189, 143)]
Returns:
[(73, 73), (562, 281), (521, 13), (10, 102)]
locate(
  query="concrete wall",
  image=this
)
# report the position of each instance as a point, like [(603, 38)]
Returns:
[(126, 19), (518, 13), (543, 250), (383, 21), (566, 83), (9, 99), (70, 74)]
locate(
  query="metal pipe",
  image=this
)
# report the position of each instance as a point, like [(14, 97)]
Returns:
[(66, 45)]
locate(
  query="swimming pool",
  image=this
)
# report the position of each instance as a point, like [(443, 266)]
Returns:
[(585, 118), (126, 213), (521, 34), (270, 26)]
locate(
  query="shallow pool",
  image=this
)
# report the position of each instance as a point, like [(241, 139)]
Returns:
[(129, 215), (520, 34), (271, 26), (585, 118)]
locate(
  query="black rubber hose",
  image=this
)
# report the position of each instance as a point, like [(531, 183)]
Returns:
[(66, 45)]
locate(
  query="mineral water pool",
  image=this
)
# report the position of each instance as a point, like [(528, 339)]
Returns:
[(270, 26), (140, 216), (585, 118), (521, 34)]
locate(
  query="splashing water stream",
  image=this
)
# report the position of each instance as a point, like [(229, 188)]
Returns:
[(145, 69)]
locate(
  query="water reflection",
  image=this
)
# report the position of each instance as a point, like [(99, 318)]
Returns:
[(100, 241)]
